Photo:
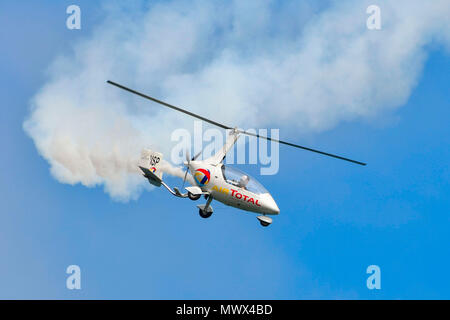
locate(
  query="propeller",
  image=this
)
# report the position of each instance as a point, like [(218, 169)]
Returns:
[(227, 127), (188, 161)]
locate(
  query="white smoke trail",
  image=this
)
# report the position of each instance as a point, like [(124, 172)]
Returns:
[(179, 172), (302, 66)]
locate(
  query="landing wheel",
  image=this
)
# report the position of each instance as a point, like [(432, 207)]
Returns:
[(194, 196), (264, 220), (264, 224), (204, 214)]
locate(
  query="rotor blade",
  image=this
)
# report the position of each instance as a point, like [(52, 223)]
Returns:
[(227, 127), (301, 147), (169, 105)]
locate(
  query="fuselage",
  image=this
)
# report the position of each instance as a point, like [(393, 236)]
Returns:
[(210, 178)]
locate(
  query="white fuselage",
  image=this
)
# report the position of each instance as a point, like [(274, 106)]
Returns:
[(228, 193)]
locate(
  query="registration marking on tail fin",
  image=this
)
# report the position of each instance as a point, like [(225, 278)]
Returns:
[(150, 163)]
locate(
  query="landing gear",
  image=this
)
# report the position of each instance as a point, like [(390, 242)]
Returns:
[(205, 210), (204, 214), (194, 196), (264, 220), (264, 224)]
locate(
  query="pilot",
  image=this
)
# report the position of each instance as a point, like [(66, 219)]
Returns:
[(243, 181)]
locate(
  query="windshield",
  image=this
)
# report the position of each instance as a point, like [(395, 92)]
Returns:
[(241, 179)]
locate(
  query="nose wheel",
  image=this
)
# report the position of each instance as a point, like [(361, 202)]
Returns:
[(205, 210), (264, 220), (204, 214)]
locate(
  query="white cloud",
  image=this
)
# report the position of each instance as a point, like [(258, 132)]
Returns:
[(251, 63)]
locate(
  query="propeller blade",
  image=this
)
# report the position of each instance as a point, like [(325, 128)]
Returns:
[(227, 127), (197, 155), (188, 160), (302, 147), (184, 180)]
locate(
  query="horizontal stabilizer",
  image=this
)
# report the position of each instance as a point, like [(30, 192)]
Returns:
[(152, 178)]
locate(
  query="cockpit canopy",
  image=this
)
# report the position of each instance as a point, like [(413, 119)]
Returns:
[(240, 179)]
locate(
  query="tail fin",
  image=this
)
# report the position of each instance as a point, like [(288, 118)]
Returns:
[(150, 164)]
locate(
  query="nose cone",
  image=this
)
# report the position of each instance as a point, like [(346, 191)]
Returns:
[(270, 206)]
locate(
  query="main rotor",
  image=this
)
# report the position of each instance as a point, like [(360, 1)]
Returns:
[(234, 129)]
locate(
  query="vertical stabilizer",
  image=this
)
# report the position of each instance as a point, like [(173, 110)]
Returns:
[(150, 164)]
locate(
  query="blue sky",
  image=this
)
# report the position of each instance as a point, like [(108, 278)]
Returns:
[(336, 219)]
